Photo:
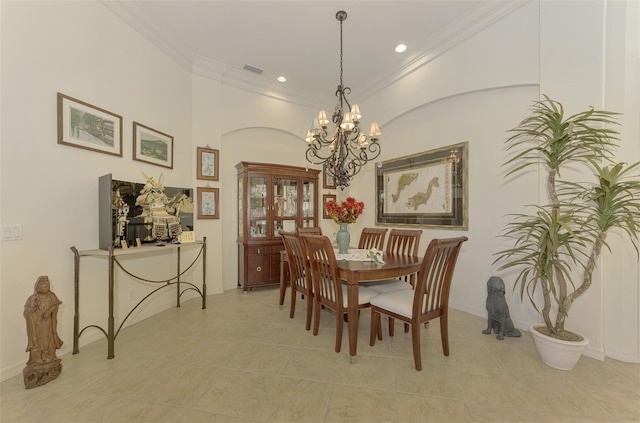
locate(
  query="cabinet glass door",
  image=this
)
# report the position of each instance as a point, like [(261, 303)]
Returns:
[(285, 205), (308, 204), (258, 207)]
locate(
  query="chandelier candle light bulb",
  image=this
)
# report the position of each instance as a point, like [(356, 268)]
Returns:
[(355, 113), (347, 123), (309, 137), (322, 118), (374, 131), (344, 154)]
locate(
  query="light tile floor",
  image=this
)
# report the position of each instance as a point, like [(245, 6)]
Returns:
[(243, 360)]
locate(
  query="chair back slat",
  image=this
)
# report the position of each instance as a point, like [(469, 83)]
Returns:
[(314, 230), (324, 270), (297, 260), (404, 242), (431, 297), (372, 238)]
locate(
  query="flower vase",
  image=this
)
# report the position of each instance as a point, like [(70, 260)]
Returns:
[(343, 238)]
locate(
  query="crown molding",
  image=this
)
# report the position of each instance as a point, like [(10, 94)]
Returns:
[(135, 15), (473, 22), (212, 69), (476, 20)]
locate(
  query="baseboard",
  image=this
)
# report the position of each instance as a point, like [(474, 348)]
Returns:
[(624, 357), (11, 371), (474, 311)]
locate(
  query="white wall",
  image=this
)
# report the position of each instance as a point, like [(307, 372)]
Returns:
[(83, 50), (481, 118), (530, 52), (475, 92), (459, 96), (622, 79), (488, 60), (597, 64), (207, 124)]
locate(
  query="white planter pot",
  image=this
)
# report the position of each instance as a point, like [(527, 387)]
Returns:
[(559, 354)]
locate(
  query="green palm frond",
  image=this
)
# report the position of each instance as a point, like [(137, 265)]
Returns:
[(547, 137), (567, 234)]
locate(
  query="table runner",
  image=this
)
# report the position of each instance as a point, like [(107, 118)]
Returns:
[(354, 254)]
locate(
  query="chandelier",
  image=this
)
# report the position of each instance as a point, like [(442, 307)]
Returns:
[(348, 149)]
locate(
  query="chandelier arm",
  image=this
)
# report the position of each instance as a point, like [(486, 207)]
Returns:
[(373, 148)]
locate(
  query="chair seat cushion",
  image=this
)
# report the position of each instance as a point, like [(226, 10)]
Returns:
[(364, 295), (399, 302), (387, 285)]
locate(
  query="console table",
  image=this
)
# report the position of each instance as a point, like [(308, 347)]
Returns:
[(112, 255)]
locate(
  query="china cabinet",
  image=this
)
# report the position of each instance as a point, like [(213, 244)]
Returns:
[(271, 197)]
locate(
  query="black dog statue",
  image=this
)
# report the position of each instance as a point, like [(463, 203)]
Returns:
[(498, 320)]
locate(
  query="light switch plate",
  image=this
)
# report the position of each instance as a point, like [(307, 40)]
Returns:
[(6, 232), (11, 232), (16, 232)]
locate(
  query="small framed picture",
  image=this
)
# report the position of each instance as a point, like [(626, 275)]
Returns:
[(208, 203), (208, 160), (152, 146), (328, 180), (325, 199), (83, 125)]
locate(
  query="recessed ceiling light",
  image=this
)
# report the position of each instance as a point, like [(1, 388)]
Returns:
[(282, 79), (400, 48)]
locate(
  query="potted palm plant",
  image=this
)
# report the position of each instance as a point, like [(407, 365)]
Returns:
[(557, 245)]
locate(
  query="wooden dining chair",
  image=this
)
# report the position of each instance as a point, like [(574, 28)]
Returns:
[(429, 299), (314, 230), (401, 242), (404, 242), (299, 273), (372, 238), (328, 289)]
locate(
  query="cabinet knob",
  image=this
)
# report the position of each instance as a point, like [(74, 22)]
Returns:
[(259, 251), (259, 269)]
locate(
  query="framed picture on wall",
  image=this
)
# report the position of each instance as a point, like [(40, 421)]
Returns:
[(208, 160), (325, 199), (428, 189), (328, 180), (83, 125), (208, 203), (152, 146)]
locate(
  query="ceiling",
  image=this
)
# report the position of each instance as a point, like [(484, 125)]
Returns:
[(301, 39)]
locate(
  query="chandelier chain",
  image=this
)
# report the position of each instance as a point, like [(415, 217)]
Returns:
[(341, 83)]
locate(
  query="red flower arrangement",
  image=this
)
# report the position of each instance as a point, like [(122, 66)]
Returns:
[(345, 212)]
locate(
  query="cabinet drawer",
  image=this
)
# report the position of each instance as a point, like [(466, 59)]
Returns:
[(258, 268), (260, 250), (275, 267)]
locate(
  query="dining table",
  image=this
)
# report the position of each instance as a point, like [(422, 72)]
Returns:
[(357, 271), (355, 267)]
